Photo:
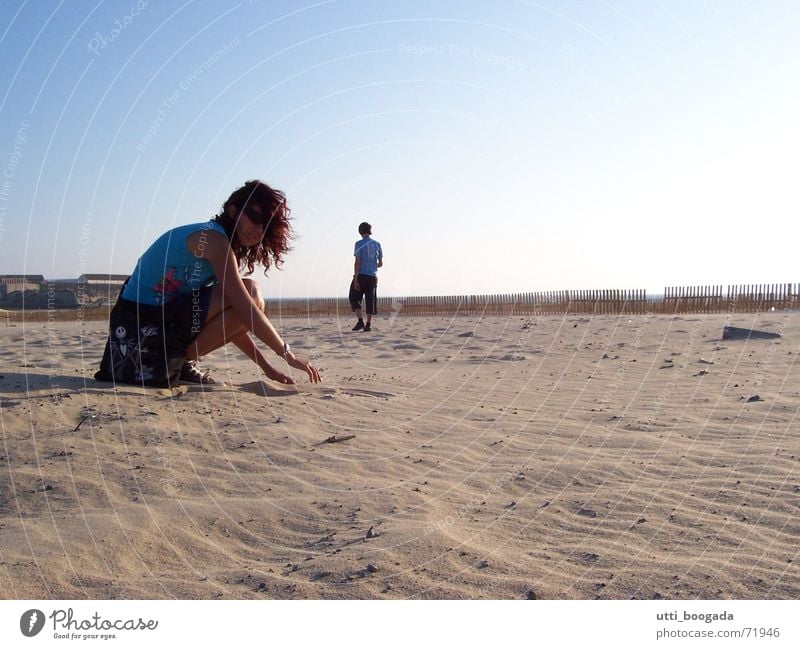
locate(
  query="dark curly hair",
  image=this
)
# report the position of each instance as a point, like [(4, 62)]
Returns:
[(274, 213)]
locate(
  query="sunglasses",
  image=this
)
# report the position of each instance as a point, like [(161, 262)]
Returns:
[(256, 217)]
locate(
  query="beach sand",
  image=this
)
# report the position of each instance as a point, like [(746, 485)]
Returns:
[(611, 457)]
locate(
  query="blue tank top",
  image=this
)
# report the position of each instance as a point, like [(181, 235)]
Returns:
[(167, 272)]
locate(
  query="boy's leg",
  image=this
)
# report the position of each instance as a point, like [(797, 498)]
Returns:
[(371, 297), (355, 297)]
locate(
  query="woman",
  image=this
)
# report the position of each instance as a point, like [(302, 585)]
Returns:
[(186, 298)]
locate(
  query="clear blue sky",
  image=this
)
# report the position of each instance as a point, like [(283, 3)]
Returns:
[(501, 146)]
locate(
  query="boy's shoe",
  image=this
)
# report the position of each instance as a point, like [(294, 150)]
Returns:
[(368, 326), (359, 326)]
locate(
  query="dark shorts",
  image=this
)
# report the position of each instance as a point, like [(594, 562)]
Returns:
[(146, 344), (368, 291)]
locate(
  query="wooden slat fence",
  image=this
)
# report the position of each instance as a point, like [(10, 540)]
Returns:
[(546, 303), (740, 298), (55, 315), (747, 298)]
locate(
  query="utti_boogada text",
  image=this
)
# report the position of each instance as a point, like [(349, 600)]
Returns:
[(696, 617), (65, 619)]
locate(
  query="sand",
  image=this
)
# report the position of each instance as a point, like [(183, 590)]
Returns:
[(505, 458)]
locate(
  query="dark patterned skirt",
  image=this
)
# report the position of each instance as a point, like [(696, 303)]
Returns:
[(146, 344)]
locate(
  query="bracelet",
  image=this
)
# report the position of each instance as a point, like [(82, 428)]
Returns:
[(286, 349)]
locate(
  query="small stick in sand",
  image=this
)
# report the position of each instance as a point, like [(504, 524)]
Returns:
[(85, 417), (333, 439)]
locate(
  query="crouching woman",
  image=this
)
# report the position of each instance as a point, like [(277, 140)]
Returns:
[(186, 298)]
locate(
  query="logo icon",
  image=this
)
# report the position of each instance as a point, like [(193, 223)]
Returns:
[(31, 622)]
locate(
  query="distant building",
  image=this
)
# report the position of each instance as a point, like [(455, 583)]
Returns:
[(13, 283), (92, 286), (35, 292), (102, 280)]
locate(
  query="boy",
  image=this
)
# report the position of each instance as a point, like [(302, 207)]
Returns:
[(369, 258)]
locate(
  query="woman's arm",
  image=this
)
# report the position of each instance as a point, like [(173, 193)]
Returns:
[(248, 346), (216, 249)]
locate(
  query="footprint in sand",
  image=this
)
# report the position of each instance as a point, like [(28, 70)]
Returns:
[(404, 346), (330, 393), (263, 389), (266, 390), (179, 390)]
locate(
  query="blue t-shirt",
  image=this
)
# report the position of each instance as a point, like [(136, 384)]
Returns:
[(369, 253), (167, 272)]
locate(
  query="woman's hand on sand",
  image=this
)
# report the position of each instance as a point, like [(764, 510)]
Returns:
[(308, 368), (278, 376)]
